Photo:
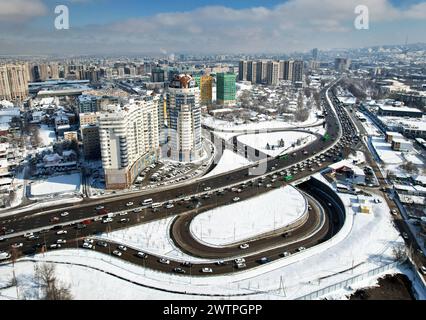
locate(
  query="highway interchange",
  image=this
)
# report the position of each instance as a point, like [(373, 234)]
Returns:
[(185, 201)]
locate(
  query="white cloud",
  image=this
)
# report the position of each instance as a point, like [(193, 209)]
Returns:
[(292, 25), (18, 10)]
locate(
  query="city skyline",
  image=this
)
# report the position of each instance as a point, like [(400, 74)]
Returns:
[(105, 27)]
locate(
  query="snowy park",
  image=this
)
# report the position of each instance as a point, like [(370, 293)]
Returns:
[(56, 185)]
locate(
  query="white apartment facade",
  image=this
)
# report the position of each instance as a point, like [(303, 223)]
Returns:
[(129, 140)]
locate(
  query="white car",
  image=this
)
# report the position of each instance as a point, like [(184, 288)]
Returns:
[(129, 204), (423, 270), (244, 246), (89, 241), (61, 241), (107, 220), (236, 199), (117, 253), (301, 249), (207, 189), (4, 255), (88, 245), (164, 261), (62, 232), (17, 245), (27, 235), (240, 260), (206, 270), (170, 205), (55, 246), (64, 214), (122, 248)]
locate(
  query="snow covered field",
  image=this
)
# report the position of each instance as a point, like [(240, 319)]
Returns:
[(47, 135), (58, 184), (259, 141), (225, 125), (246, 219), (229, 161)]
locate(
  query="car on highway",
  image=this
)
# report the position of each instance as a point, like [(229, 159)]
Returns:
[(4, 255), (64, 214), (54, 219), (423, 270), (301, 249), (117, 253), (55, 246), (405, 235), (220, 263), (99, 207), (87, 245), (170, 205), (179, 270), (207, 189), (142, 255), (89, 241), (285, 254), (122, 248), (101, 244), (186, 264), (240, 265), (239, 260), (244, 246), (17, 245), (107, 220), (164, 261), (123, 214), (206, 270), (124, 220), (61, 241), (2, 239), (394, 212), (61, 232), (27, 235), (236, 199), (263, 260), (129, 204)]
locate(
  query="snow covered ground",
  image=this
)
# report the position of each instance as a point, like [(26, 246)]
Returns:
[(259, 141), (359, 157), (221, 124), (385, 152), (58, 184), (228, 162), (47, 135), (246, 219)]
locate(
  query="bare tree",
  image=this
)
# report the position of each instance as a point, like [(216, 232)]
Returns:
[(399, 252), (51, 288)]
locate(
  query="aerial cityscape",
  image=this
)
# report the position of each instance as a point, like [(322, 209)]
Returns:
[(212, 150)]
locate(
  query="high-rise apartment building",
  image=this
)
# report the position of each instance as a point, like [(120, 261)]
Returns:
[(242, 70), (206, 90), (226, 89), (342, 64), (262, 72), (184, 118), (252, 71), (288, 70), (297, 71), (129, 140), (14, 82), (272, 72)]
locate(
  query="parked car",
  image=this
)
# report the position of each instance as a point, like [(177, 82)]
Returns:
[(285, 254), (206, 270), (129, 204), (64, 214), (102, 244), (141, 254), (122, 248), (62, 232), (61, 241), (301, 249), (87, 245)]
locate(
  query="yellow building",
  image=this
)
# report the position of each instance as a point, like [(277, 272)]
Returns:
[(206, 90)]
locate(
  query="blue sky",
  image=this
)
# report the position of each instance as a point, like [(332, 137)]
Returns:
[(222, 26)]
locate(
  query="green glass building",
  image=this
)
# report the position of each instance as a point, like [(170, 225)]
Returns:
[(226, 88)]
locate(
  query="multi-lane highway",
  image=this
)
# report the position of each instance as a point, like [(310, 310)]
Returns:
[(127, 210)]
